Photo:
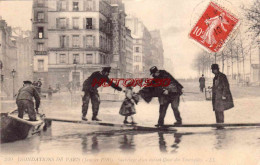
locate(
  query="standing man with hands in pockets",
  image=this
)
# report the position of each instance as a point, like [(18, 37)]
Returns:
[(221, 96)]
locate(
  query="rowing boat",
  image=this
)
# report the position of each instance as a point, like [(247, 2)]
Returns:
[(14, 128)]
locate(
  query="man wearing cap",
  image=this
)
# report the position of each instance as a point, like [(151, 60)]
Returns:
[(169, 95), (221, 96), (24, 100), (91, 92)]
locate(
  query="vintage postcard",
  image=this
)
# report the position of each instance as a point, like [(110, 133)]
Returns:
[(118, 82)]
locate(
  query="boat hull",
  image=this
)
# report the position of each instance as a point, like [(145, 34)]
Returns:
[(14, 128)]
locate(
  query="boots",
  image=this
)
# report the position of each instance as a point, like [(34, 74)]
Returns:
[(94, 118), (84, 118)]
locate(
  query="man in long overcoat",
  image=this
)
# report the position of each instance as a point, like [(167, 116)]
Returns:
[(221, 96), (202, 82)]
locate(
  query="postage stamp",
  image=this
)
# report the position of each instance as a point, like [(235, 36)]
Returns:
[(214, 27)]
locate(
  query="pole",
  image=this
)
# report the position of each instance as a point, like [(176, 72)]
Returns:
[(13, 87), (215, 58)]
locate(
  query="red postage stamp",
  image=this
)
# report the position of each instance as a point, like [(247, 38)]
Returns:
[(214, 27)]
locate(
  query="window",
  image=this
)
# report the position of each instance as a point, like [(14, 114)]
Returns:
[(62, 58), (63, 5), (89, 58), (137, 59), (137, 49), (75, 23), (89, 6), (40, 65), (40, 47), (75, 41), (136, 67), (89, 23), (76, 57), (40, 32), (62, 41), (89, 40), (62, 23), (40, 16), (75, 6), (40, 2)]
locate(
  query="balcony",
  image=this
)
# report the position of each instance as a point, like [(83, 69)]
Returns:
[(40, 52)]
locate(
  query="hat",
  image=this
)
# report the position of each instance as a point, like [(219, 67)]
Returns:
[(214, 66), (153, 70), (27, 82), (106, 69)]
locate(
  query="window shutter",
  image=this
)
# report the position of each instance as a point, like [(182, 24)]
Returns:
[(84, 23), (84, 5), (93, 23), (94, 5), (58, 5), (67, 42), (67, 21), (67, 5), (57, 23), (94, 41), (35, 16), (60, 41), (84, 41), (80, 41)]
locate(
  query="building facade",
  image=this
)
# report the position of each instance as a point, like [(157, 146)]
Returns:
[(157, 49), (129, 54), (74, 38), (141, 47), (23, 43), (15, 58), (8, 59)]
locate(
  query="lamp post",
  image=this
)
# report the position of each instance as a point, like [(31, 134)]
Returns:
[(13, 74), (75, 69)]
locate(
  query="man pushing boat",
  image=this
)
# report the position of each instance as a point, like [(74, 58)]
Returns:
[(24, 100)]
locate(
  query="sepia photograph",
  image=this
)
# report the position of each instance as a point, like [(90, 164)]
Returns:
[(122, 82)]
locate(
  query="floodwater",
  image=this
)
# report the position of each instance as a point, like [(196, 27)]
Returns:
[(80, 143)]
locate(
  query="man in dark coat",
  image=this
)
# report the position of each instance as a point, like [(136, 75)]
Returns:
[(169, 95), (202, 83), (221, 96), (90, 89), (24, 100)]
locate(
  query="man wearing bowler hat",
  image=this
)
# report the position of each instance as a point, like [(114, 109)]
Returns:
[(168, 95), (24, 100), (221, 96), (91, 92)]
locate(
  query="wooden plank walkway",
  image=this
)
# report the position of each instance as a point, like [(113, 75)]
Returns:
[(137, 127), (127, 126)]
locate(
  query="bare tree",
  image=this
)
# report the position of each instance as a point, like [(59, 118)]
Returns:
[(253, 16)]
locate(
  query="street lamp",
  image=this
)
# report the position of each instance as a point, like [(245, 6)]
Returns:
[(75, 69), (13, 74)]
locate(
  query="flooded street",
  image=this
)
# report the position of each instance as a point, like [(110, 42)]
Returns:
[(82, 143)]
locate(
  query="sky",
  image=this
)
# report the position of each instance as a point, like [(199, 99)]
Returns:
[(174, 19)]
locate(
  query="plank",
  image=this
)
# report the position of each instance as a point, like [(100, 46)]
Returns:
[(217, 125), (135, 127)]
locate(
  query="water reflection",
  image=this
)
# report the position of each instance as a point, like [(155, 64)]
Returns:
[(127, 143), (174, 146)]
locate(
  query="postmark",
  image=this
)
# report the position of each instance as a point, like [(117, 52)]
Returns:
[(214, 27)]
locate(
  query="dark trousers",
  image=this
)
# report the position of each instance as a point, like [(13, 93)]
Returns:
[(219, 116), (24, 105), (175, 107), (95, 101)]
